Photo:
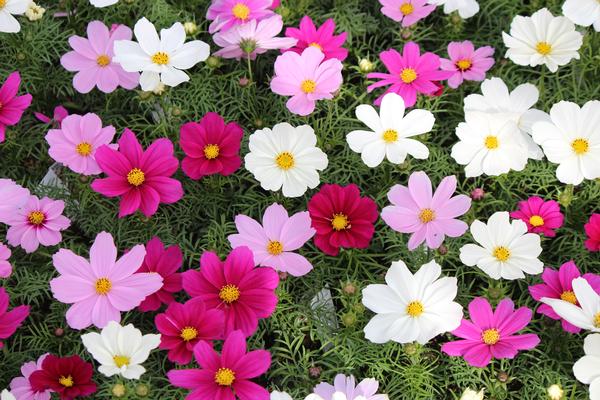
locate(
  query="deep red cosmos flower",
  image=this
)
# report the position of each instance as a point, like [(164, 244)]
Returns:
[(342, 218), (70, 377)]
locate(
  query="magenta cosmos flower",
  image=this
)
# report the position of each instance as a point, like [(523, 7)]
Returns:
[(92, 59), (165, 261), (539, 215), (592, 230), (60, 113), (273, 243), (182, 326), (12, 197), (243, 292), (367, 388), (224, 376), (430, 217), (77, 140), (10, 320), (323, 38), (21, 388), (103, 287), (11, 105), (253, 38), (409, 73), (559, 285), (39, 221), (466, 63), (225, 14), (491, 334), (307, 78), (211, 146), (5, 266), (141, 178), (409, 12)]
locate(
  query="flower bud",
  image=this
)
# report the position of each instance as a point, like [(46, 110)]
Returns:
[(366, 66), (190, 28)]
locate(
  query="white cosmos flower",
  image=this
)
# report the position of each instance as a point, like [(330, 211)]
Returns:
[(412, 307), (583, 12), (6, 395), (120, 349), (286, 158), (505, 248), (470, 394), (8, 8), (587, 368), (572, 140), (466, 8), (585, 315), (515, 105), (490, 144), (275, 395), (335, 396), (542, 39), (159, 59), (390, 132), (103, 3)]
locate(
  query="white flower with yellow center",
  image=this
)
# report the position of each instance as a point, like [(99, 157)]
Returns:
[(505, 248), (8, 8), (412, 307), (160, 59), (542, 39), (583, 12), (585, 314), (120, 349), (587, 368), (490, 144), (286, 158), (391, 132), (572, 140)]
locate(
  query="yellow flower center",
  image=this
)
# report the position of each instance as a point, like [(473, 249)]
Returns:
[(84, 149), (224, 377), (390, 136), (597, 320), (340, 222), (407, 8), (121, 361), (414, 308), (103, 60), (426, 215), (308, 86), (491, 142), (103, 286), (160, 58), (544, 48), (211, 151), (580, 146), (285, 160), (408, 75), (241, 11), (464, 64), (66, 381), (536, 220), (36, 217), (188, 333), (569, 295), (490, 336), (229, 293), (317, 45), (275, 247), (136, 177), (501, 253), (2, 4)]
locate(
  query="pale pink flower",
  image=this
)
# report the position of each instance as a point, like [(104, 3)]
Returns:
[(409, 12), (5, 267), (12, 197), (467, 63)]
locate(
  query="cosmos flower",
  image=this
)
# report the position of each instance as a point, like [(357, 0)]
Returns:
[(592, 231), (103, 3), (5, 266), (586, 369), (60, 113), (12, 197), (20, 386), (583, 12), (70, 377), (11, 105), (584, 313), (466, 8), (8, 23), (11, 320), (539, 215), (467, 63), (225, 14), (409, 12), (323, 38), (346, 385)]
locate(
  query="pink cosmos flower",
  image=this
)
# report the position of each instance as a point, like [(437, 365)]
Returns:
[(12, 197), (165, 261), (142, 178), (307, 78), (275, 4), (491, 334), (409, 12), (322, 38), (210, 146), (252, 38), (77, 140), (559, 285), (429, 217), (10, 320), (37, 222), (60, 113), (224, 376), (592, 230), (409, 73), (273, 242), (182, 326), (367, 388), (539, 215), (243, 292), (92, 59), (5, 266), (466, 63), (11, 105), (103, 287), (21, 388), (228, 13)]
